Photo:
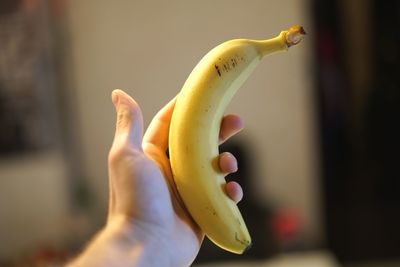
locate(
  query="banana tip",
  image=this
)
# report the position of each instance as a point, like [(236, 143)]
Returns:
[(248, 247)]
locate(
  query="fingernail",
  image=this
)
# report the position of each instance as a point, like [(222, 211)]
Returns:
[(235, 166), (240, 124), (115, 98), (234, 163)]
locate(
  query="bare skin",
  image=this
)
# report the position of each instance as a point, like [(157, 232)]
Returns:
[(148, 224)]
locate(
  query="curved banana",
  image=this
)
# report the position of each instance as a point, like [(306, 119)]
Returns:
[(194, 132)]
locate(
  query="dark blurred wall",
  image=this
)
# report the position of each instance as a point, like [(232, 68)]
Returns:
[(358, 87)]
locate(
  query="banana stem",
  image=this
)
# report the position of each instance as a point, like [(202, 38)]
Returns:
[(283, 41), (294, 35)]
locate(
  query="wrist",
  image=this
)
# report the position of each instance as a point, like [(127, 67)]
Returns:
[(122, 243), (141, 242)]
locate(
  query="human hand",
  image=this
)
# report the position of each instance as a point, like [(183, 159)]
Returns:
[(147, 220)]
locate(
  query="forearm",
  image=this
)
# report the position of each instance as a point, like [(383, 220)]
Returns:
[(115, 246)]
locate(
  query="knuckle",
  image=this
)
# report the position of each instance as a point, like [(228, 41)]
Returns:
[(117, 154)]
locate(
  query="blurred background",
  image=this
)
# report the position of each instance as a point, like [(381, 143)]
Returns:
[(318, 159)]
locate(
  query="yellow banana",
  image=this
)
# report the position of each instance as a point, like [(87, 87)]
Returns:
[(194, 132)]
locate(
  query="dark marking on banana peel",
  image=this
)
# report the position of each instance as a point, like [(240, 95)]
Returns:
[(234, 62), (228, 65), (217, 68), (243, 242)]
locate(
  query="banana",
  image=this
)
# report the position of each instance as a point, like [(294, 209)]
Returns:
[(194, 132)]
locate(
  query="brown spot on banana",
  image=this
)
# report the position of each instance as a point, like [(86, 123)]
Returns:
[(243, 242), (217, 68)]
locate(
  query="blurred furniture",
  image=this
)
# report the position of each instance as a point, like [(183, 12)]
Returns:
[(357, 56)]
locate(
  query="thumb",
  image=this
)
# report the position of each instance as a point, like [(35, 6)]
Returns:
[(129, 126)]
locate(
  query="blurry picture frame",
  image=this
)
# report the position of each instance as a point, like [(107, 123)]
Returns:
[(27, 78)]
